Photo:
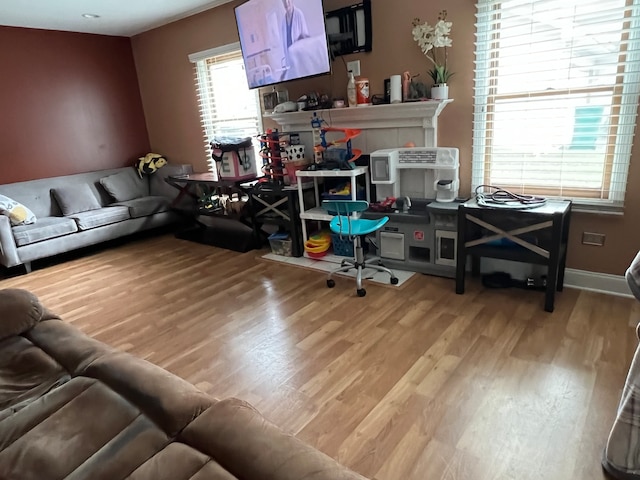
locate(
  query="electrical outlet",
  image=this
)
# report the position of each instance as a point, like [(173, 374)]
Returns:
[(354, 66), (596, 239)]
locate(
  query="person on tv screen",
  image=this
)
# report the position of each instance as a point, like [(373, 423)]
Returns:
[(294, 28)]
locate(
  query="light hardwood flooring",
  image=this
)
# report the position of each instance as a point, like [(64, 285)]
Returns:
[(415, 383)]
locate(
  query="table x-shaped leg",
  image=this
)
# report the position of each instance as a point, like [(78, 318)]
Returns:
[(272, 206), (182, 190), (511, 235)]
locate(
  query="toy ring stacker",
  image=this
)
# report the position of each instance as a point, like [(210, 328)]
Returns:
[(317, 245)]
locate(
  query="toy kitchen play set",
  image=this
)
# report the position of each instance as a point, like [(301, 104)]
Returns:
[(421, 233)]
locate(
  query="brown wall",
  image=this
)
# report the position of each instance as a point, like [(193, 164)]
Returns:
[(70, 103), (167, 78)]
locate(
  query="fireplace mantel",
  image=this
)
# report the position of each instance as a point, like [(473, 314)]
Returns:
[(403, 118)]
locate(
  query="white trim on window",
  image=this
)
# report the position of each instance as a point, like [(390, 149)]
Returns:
[(228, 108), (568, 132)]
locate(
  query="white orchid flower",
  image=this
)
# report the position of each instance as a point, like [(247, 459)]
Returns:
[(442, 42), (443, 28), (429, 39)]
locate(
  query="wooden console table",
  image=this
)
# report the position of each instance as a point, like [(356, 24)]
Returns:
[(534, 235)]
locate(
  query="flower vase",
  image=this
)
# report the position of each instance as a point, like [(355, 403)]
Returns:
[(440, 91)]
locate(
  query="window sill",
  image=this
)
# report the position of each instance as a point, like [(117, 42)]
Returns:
[(582, 206)]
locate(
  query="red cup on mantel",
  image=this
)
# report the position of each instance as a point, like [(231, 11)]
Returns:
[(362, 92)]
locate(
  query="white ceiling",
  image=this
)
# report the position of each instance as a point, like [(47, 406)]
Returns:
[(117, 17)]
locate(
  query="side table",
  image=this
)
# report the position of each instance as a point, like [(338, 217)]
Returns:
[(534, 235), (273, 204), (234, 231)]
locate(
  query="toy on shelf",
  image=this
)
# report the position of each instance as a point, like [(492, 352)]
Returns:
[(331, 154), (282, 156), (271, 154), (318, 244), (343, 192)]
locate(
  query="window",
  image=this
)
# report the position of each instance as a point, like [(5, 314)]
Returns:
[(556, 97), (227, 107)]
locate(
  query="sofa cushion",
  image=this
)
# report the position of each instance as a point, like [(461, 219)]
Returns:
[(26, 373), (57, 433), (18, 214), (19, 311), (75, 199), (141, 207), (46, 228), (101, 217), (125, 185)]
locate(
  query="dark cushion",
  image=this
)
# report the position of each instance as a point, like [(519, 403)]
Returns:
[(99, 218), (19, 311), (46, 228), (75, 199), (125, 185), (141, 207)]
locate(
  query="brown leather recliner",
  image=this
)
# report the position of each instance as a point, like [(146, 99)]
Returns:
[(74, 408)]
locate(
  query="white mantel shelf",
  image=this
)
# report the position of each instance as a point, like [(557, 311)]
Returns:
[(409, 114), (422, 115)]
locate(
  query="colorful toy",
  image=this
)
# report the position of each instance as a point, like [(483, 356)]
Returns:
[(325, 151), (318, 244), (272, 145), (150, 163)]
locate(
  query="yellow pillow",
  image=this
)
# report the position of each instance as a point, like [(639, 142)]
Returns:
[(18, 214)]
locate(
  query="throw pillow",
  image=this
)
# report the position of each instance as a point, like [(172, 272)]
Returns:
[(18, 214), (124, 186), (75, 199)]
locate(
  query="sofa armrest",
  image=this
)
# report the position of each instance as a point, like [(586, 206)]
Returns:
[(157, 184), (20, 310), (8, 250), (245, 444)]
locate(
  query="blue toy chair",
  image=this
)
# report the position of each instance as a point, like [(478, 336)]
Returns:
[(354, 228)]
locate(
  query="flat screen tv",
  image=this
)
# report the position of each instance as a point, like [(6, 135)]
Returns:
[(282, 40)]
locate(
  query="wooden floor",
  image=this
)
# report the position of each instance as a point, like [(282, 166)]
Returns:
[(415, 383)]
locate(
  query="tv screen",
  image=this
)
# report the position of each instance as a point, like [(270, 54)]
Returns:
[(282, 40)]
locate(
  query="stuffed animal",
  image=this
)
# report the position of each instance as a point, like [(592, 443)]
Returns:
[(150, 163), (234, 208)]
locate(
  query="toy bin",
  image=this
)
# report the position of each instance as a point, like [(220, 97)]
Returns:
[(234, 158), (342, 245), (280, 244)]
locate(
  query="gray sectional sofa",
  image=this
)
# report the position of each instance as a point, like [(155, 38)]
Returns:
[(84, 209)]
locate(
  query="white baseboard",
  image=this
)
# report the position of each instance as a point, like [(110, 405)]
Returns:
[(597, 282)]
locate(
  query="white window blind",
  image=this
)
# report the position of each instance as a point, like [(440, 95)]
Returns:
[(556, 97), (227, 107)]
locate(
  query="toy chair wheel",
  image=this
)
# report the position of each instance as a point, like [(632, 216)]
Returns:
[(394, 280), (331, 283), (361, 292)]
